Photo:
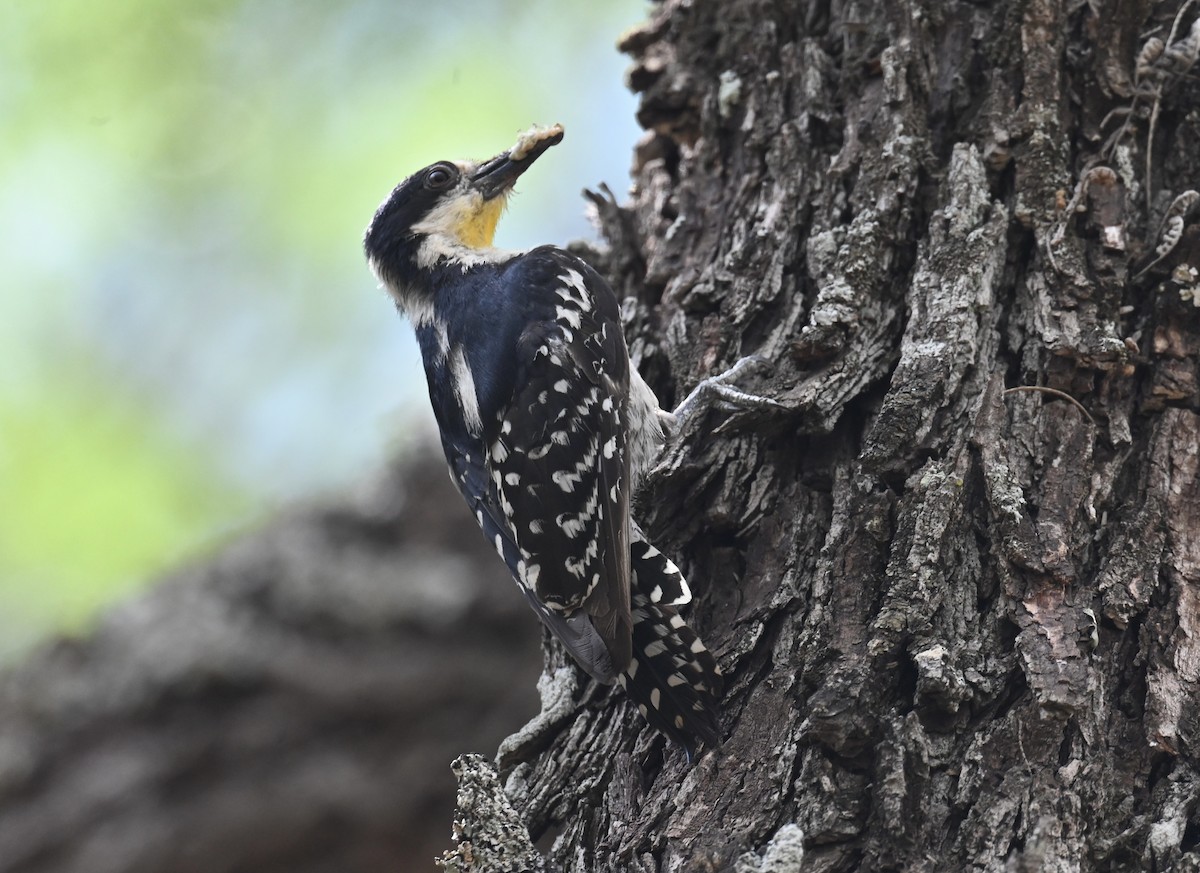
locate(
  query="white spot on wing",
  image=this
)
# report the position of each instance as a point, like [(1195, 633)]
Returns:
[(572, 527), (564, 480), (570, 317), (573, 281)]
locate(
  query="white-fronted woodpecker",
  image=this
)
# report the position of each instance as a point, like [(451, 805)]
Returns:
[(546, 428)]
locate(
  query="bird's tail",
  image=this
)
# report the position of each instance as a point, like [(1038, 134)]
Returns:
[(674, 680)]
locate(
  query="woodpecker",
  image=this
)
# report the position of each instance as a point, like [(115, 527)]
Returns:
[(547, 429)]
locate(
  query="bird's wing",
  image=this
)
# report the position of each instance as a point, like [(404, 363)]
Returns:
[(557, 454), (575, 632)]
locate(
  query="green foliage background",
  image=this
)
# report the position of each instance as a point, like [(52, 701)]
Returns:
[(188, 335)]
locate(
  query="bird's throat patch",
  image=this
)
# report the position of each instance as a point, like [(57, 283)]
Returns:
[(460, 230), (477, 227)]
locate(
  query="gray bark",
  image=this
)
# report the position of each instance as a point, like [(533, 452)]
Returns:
[(953, 586), (958, 621)]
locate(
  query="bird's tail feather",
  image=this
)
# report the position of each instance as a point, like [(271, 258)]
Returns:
[(674, 680)]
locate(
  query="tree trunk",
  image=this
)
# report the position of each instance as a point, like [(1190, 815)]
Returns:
[(956, 586)]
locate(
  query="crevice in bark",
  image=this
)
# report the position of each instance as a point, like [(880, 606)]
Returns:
[(959, 627)]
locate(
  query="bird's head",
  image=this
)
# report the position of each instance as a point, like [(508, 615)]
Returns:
[(448, 211)]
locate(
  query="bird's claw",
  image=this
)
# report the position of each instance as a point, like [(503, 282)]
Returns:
[(713, 391), (717, 390)]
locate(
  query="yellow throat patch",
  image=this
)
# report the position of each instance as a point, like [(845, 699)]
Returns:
[(476, 226)]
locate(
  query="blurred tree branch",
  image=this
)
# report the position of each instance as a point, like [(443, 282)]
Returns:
[(292, 703)]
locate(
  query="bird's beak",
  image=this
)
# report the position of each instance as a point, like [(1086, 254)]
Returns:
[(498, 175)]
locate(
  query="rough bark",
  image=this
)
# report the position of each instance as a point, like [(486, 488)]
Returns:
[(958, 612), (953, 586)]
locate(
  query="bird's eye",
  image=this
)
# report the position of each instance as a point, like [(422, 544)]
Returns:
[(439, 177)]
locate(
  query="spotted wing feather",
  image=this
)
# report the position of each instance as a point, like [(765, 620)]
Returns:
[(575, 632), (558, 459)]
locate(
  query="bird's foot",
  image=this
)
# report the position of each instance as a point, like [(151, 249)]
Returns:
[(715, 391)]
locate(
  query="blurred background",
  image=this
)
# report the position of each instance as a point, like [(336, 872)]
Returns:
[(189, 337)]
